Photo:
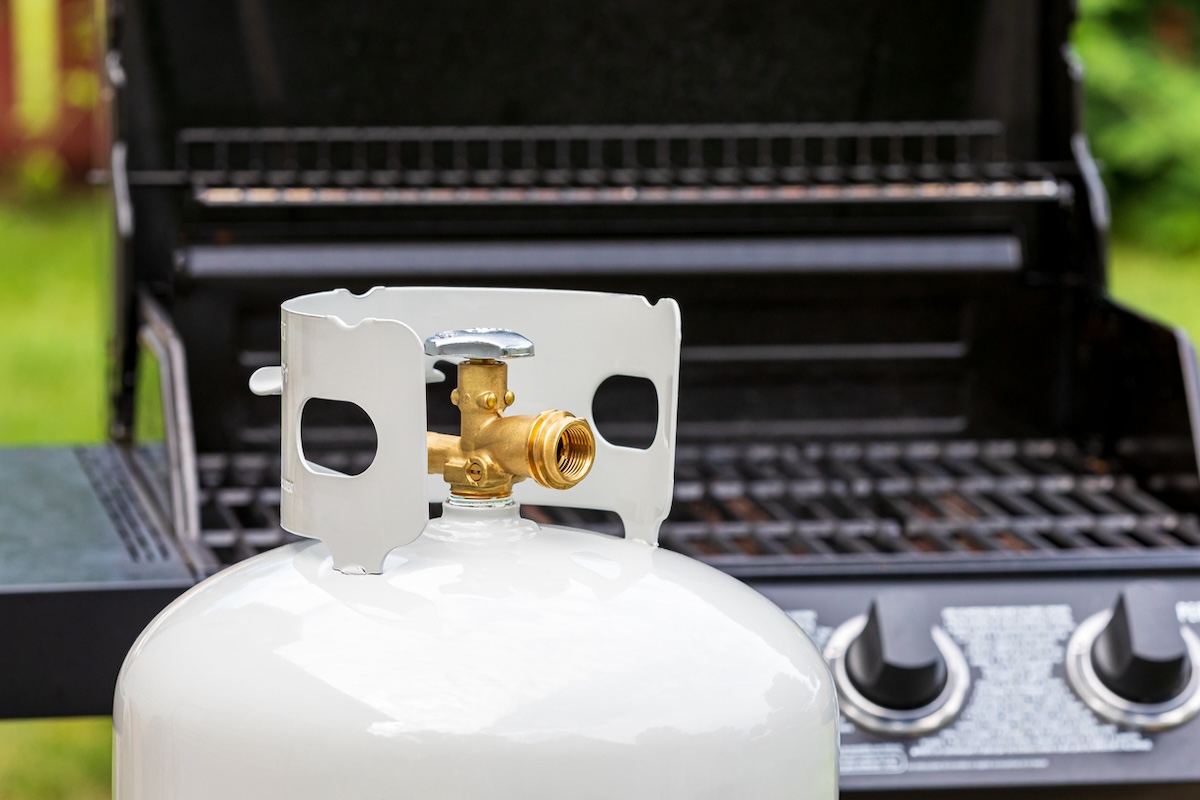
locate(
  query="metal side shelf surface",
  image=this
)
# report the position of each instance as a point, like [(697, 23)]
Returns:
[(83, 568)]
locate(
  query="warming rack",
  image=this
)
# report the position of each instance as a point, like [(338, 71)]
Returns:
[(656, 164)]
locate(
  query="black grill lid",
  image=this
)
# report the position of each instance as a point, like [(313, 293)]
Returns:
[(271, 63), (263, 121)]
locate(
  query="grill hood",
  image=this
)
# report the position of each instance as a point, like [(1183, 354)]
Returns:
[(879, 219)]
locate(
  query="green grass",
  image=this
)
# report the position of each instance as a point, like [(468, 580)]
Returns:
[(55, 759), (1165, 286), (54, 288), (54, 295)]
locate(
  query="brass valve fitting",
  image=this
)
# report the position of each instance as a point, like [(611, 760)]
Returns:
[(493, 452)]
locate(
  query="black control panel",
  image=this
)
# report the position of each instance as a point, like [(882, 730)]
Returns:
[(1079, 687)]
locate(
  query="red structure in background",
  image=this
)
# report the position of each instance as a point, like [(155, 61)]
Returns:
[(7, 90), (49, 95)]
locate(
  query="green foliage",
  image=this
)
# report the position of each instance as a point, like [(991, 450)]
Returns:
[(1143, 114), (40, 174)]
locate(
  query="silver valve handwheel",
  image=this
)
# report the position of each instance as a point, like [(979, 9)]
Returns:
[(479, 343)]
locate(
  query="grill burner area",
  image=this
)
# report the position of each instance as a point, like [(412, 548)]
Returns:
[(776, 508)]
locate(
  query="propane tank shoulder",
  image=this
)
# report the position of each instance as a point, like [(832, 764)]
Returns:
[(493, 451)]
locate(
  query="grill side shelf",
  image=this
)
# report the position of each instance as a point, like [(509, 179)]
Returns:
[(114, 489)]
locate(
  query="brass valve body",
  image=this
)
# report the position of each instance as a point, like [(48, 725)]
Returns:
[(493, 452)]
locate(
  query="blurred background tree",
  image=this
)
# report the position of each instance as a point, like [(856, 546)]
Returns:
[(1143, 115)]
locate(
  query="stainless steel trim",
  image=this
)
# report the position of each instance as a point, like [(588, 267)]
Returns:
[(122, 202), (722, 130), (992, 191), (1191, 385), (1111, 706), (158, 334), (113, 68), (925, 254), (907, 722), (867, 351)]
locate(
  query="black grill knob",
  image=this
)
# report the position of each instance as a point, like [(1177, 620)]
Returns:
[(895, 662), (1141, 654)]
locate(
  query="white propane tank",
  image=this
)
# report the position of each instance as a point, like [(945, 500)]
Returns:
[(478, 654)]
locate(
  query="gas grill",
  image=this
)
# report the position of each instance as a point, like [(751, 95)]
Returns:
[(900, 366)]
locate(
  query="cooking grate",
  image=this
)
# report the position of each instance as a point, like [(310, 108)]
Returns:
[(782, 508)]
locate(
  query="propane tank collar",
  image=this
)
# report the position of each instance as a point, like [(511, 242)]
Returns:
[(480, 503), (481, 520)]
